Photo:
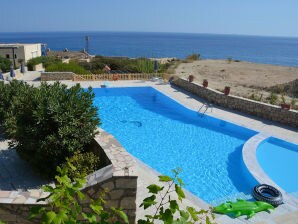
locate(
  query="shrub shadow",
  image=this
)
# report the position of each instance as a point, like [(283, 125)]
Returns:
[(16, 174)]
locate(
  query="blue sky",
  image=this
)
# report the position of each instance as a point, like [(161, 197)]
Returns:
[(253, 17)]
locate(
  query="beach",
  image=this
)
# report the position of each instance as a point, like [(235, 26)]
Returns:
[(244, 78)]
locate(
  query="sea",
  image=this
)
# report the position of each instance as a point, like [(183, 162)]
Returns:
[(259, 49)]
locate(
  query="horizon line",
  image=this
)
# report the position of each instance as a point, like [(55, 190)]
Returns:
[(165, 32)]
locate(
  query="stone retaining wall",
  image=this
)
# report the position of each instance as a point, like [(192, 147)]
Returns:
[(119, 177), (55, 76), (259, 109)]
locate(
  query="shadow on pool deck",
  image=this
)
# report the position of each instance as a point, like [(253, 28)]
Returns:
[(15, 173)]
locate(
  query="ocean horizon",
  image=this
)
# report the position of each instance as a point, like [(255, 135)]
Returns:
[(258, 49)]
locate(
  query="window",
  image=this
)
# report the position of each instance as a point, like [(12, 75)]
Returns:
[(15, 56), (7, 56)]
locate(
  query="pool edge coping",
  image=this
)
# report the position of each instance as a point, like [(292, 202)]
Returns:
[(249, 156)]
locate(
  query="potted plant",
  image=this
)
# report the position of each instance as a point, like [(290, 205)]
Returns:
[(283, 104), (205, 83), (227, 90), (190, 78)]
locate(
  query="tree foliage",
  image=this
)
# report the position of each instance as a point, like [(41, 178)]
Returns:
[(49, 123), (67, 67), (4, 64), (45, 60)]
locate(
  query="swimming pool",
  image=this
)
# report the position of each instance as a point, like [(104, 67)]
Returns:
[(165, 135), (279, 160)]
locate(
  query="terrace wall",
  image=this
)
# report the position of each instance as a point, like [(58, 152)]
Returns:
[(118, 176), (259, 109), (56, 76)]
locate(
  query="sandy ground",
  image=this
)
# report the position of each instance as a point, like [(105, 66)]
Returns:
[(244, 78)]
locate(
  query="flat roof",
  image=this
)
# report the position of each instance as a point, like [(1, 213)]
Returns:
[(16, 45)]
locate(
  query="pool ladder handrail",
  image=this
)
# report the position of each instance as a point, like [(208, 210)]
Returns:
[(207, 106)]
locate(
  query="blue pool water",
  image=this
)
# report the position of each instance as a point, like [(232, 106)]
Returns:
[(165, 135), (279, 159)]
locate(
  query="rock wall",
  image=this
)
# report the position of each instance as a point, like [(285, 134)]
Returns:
[(259, 109), (55, 76), (118, 176)]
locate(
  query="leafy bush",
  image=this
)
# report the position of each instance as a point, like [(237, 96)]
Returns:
[(67, 67), (193, 57), (5, 64), (293, 103), (49, 123), (167, 209), (273, 98), (84, 162), (5, 96), (45, 60), (138, 65), (66, 196), (65, 202)]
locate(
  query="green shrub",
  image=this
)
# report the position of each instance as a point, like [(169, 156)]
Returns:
[(137, 65), (49, 123), (65, 203), (66, 196), (273, 98), (4, 64), (67, 67), (45, 60), (84, 162), (5, 96), (293, 103)]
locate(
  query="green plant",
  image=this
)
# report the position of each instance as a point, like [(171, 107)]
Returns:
[(273, 98), (65, 202), (44, 60), (283, 99), (4, 64), (5, 96), (49, 123), (293, 102), (67, 67), (84, 162), (167, 209), (256, 97), (123, 64)]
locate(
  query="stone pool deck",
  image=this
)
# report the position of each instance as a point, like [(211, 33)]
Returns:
[(286, 214)]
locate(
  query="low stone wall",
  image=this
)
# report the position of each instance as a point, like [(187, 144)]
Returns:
[(119, 177), (259, 109), (56, 76)]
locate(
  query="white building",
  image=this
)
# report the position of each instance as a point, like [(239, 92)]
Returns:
[(20, 52)]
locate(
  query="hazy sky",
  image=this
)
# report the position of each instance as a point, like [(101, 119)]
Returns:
[(254, 17)]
